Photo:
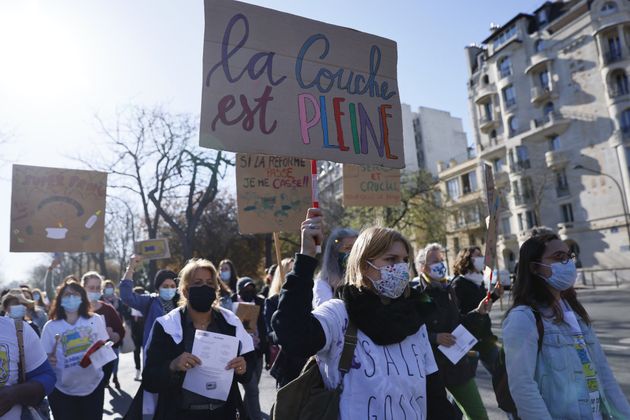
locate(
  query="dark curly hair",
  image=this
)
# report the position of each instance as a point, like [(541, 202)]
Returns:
[(464, 262)]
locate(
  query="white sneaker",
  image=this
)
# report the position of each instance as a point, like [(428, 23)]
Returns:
[(137, 374)]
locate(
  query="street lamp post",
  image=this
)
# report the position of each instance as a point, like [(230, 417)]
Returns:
[(621, 194)]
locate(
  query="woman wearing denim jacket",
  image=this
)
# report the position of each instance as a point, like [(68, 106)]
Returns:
[(569, 378)]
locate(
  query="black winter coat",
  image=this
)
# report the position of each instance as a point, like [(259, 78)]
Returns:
[(261, 326), (468, 297), (444, 318), (157, 377)]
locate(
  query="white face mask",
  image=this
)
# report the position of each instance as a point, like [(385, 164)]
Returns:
[(479, 263), (394, 279)]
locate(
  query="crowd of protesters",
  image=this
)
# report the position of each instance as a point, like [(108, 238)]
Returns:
[(363, 298)]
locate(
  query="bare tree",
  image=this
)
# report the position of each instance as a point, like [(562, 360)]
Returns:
[(155, 159)]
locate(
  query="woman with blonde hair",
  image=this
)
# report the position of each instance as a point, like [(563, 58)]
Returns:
[(169, 351), (393, 370)]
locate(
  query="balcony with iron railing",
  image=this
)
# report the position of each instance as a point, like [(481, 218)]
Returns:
[(541, 93), (552, 123), (488, 122), (556, 159), (520, 165)]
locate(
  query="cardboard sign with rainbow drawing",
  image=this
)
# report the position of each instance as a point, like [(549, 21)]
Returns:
[(57, 210), (280, 84)]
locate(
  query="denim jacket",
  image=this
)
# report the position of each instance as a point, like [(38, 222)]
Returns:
[(550, 384)]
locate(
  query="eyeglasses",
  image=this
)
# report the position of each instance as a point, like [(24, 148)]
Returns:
[(566, 258)]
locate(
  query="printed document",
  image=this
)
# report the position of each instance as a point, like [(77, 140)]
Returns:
[(211, 379), (464, 342)]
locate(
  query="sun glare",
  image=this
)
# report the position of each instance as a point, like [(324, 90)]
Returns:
[(41, 54)]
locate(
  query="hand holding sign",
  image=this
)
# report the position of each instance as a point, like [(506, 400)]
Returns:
[(312, 233)]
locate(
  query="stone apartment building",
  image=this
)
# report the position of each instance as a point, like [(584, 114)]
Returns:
[(550, 101)]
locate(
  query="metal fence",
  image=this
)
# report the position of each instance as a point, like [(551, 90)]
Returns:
[(595, 277)]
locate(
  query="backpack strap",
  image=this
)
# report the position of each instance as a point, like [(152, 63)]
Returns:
[(19, 330), (540, 327), (349, 344)]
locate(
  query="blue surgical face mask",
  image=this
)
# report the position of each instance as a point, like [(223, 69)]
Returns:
[(71, 303), (225, 275), (17, 311), (167, 293), (563, 276), (94, 296), (36, 296), (108, 291)]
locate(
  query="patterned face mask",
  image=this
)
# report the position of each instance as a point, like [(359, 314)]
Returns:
[(394, 279), (437, 271)]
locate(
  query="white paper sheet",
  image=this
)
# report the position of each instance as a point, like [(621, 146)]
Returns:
[(103, 356), (211, 379), (464, 342)]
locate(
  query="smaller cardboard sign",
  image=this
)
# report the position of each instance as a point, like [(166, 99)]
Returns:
[(248, 314), (273, 193), (153, 249), (370, 185)]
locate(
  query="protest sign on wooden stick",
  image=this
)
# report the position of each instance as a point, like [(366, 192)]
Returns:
[(272, 193)]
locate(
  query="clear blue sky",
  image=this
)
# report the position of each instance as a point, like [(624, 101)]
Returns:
[(64, 61)]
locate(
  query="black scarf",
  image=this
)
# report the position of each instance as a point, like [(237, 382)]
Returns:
[(385, 323)]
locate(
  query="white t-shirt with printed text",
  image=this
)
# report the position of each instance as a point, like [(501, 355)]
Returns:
[(74, 340), (34, 356), (384, 382)]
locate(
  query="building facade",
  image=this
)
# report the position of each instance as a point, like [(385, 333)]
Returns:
[(550, 101), (430, 136)]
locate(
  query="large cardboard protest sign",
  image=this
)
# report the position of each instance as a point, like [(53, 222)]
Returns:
[(57, 210), (370, 185), (272, 193), (153, 249), (280, 84)]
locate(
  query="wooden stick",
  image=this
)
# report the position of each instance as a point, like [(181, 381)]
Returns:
[(315, 194)]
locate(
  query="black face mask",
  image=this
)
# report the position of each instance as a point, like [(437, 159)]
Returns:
[(201, 298), (248, 295)]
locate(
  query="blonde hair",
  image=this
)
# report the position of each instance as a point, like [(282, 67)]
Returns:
[(91, 275), (279, 276), (371, 244), (188, 272)]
